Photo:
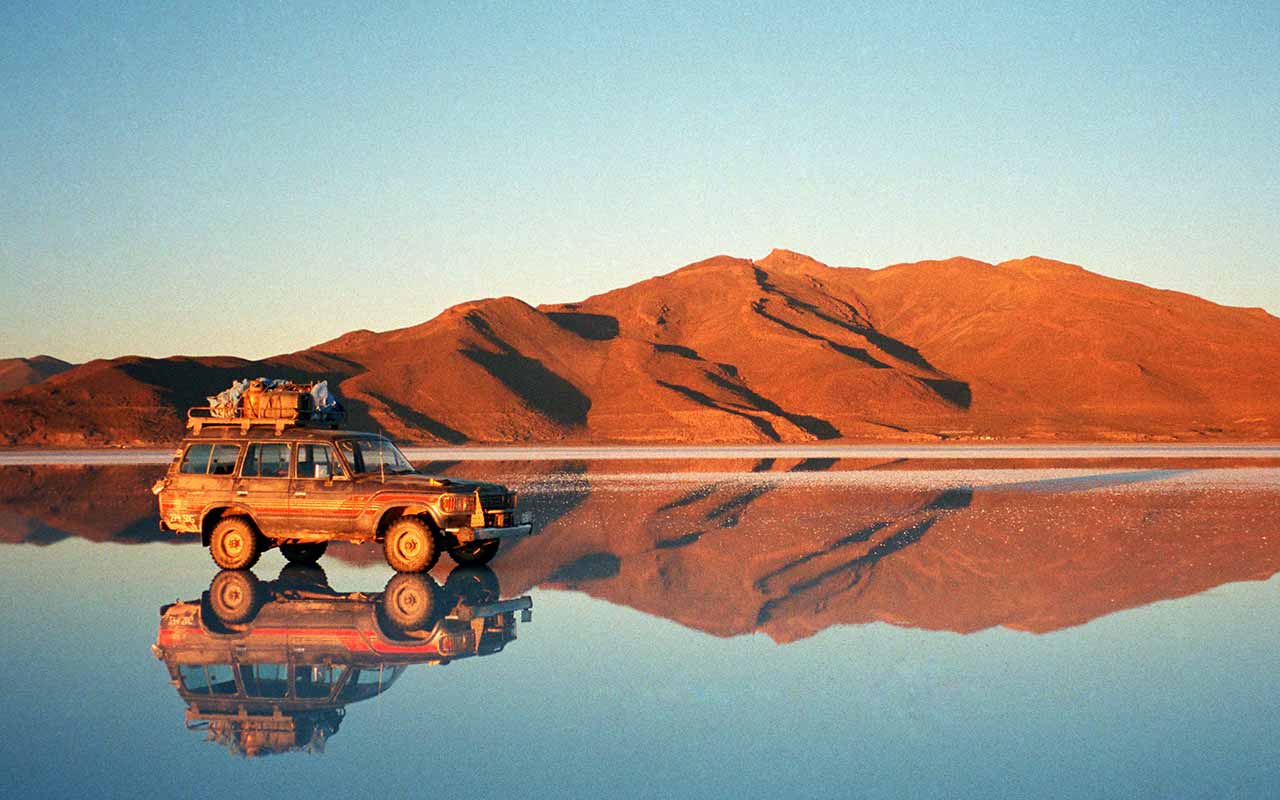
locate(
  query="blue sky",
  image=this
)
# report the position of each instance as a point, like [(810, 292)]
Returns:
[(255, 179)]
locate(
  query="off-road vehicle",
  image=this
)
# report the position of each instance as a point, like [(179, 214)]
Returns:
[(296, 480)]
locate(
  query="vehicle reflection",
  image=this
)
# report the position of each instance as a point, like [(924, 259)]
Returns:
[(269, 666)]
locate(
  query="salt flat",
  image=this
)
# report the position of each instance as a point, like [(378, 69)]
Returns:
[(973, 452)]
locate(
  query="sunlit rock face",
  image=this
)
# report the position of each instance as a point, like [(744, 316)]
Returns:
[(780, 349)]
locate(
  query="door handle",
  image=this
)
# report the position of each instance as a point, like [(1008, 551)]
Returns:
[(242, 492), (299, 494)]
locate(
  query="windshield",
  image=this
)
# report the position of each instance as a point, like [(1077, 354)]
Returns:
[(374, 455)]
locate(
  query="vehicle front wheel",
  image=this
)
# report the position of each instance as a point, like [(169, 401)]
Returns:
[(303, 553), (235, 544), (410, 545), (475, 554), (234, 595)]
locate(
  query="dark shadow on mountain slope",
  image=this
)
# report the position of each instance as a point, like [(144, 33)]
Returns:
[(887, 344), (678, 541), (186, 382), (856, 353), (528, 378), (596, 327), (956, 393), (762, 425), (421, 421), (679, 350), (814, 426)]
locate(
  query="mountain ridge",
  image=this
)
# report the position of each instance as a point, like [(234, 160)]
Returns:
[(783, 348)]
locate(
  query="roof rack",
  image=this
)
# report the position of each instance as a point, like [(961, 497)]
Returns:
[(199, 417)]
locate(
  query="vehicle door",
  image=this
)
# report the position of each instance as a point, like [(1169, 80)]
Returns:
[(319, 502), (263, 485)]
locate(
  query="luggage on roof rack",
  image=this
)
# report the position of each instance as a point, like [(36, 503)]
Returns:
[(277, 403)]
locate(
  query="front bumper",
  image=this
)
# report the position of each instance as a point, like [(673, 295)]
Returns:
[(467, 533), (483, 534)]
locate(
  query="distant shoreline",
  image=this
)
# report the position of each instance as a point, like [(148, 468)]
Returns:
[(32, 456)]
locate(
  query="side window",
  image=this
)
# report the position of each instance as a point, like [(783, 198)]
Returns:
[(221, 679), (317, 461), (266, 461), (224, 459), (315, 681), (193, 678), (216, 678), (265, 680), (196, 461)]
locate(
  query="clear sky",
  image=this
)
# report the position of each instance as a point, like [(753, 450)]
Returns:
[(253, 179)]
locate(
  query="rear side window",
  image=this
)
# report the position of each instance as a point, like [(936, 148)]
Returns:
[(224, 459), (196, 461), (266, 461), (210, 459)]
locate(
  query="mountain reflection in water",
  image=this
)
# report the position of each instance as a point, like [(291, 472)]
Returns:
[(790, 548), (270, 667)]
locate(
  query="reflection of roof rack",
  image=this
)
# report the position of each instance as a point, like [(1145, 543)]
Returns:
[(199, 417)]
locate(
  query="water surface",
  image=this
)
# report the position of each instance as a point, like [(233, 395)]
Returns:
[(740, 628)]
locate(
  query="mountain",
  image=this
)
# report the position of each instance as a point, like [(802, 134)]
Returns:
[(780, 349), (18, 372)]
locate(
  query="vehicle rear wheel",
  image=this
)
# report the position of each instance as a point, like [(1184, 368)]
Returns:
[(410, 545), (303, 553), (410, 600), (235, 544), (234, 595), (475, 554)]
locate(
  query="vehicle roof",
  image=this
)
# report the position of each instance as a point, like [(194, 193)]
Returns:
[(267, 434)]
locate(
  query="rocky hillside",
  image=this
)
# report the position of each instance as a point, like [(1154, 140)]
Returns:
[(781, 349)]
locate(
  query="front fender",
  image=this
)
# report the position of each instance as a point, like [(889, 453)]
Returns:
[(407, 504)]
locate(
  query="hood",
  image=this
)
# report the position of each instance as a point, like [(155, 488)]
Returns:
[(427, 483)]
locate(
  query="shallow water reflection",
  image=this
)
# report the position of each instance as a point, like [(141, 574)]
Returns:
[(1083, 632)]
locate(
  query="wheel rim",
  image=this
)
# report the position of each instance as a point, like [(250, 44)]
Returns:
[(409, 546), (408, 602), (232, 596), (233, 544)]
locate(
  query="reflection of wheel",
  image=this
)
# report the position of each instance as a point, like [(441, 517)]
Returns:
[(410, 546), (473, 586), (409, 600), (475, 554), (304, 553), (309, 577), (234, 543), (233, 595)]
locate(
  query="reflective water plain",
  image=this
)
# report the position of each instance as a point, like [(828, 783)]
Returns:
[(785, 627)]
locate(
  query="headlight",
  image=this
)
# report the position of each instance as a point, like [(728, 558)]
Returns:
[(455, 503)]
